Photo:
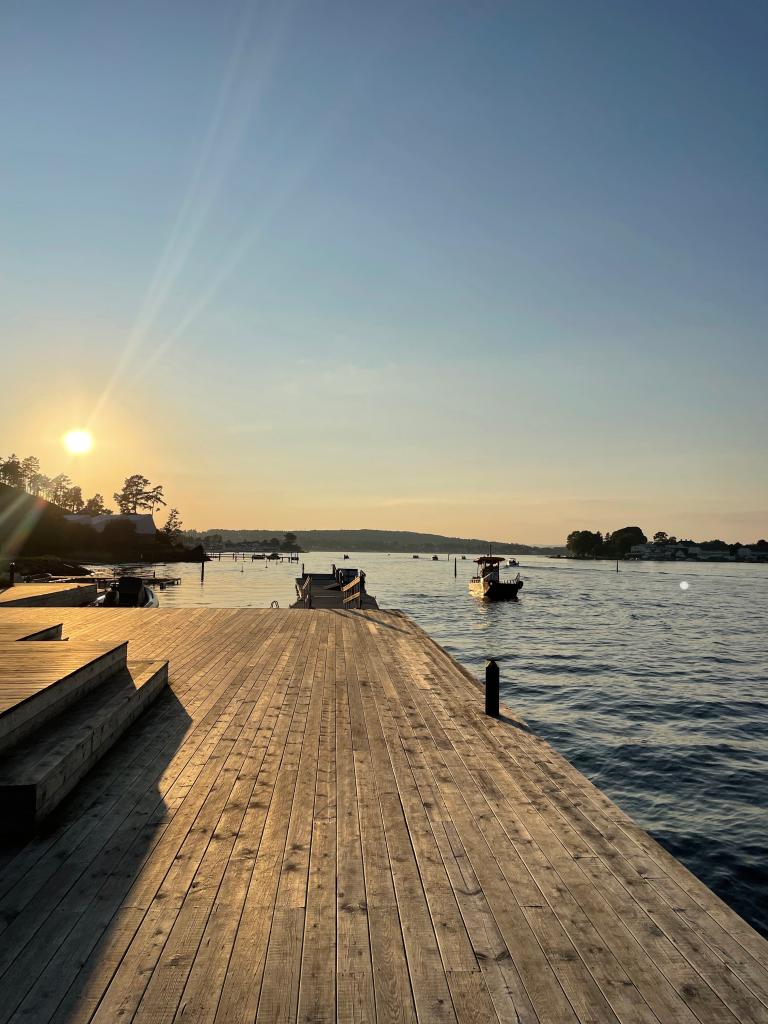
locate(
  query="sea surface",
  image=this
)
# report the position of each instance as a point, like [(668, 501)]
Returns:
[(653, 681)]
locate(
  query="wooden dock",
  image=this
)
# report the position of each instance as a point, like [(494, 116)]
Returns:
[(316, 822), (102, 582), (48, 595), (333, 590)]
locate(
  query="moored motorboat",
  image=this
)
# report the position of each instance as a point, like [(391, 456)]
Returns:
[(512, 561), (128, 592), (488, 584)]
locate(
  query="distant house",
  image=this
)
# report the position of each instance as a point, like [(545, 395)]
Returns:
[(663, 552), (143, 523), (750, 555), (680, 553)]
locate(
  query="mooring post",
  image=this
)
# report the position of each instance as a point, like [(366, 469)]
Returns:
[(492, 688), (454, 568), (202, 571), (302, 570), (12, 574)]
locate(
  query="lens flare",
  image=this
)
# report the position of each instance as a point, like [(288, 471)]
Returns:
[(78, 442)]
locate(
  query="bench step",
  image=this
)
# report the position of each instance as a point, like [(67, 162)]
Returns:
[(39, 680), (36, 777)]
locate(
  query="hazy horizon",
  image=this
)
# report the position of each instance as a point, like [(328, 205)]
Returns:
[(483, 269)]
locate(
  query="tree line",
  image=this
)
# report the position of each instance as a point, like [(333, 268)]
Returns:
[(594, 544), (137, 494)]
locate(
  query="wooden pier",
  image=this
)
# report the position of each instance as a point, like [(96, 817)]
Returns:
[(104, 581), (340, 588), (317, 822)]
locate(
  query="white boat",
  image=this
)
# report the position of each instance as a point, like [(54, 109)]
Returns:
[(128, 592), (489, 585)]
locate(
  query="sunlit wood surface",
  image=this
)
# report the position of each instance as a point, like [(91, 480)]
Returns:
[(39, 679), (40, 629), (316, 822), (48, 595)]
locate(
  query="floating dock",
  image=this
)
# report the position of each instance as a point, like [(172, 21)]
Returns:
[(340, 588), (317, 822)]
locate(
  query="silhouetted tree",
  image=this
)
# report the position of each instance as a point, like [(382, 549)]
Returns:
[(38, 484), (72, 499), (95, 506), (137, 493), (11, 472), (30, 468), (172, 528), (584, 543), (152, 498), (618, 543), (58, 488)]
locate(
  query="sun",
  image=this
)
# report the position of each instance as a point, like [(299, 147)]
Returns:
[(78, 442)]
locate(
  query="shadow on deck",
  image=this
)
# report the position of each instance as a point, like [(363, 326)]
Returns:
[(67, 891)]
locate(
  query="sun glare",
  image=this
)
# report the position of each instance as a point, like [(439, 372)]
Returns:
[(78, 442)]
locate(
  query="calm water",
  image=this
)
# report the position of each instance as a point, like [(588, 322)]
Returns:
[(657, 693)]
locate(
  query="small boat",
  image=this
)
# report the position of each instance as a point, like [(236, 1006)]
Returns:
[(488, 584), (463, 558), (415, 556), (345, 557), (512, 562), (435, 558), (128, 592)]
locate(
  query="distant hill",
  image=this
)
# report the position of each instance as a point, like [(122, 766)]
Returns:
[(375, 540)]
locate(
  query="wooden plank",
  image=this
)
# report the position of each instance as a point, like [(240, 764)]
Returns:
[(429, 984), (317, 985)]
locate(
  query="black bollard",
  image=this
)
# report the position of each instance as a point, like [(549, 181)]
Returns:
[(12, 574), (492, 688), (454, 568)]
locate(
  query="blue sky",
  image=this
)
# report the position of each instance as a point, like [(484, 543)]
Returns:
[(476, 268)]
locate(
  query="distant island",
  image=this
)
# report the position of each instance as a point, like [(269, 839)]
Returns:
[(404, 541)]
